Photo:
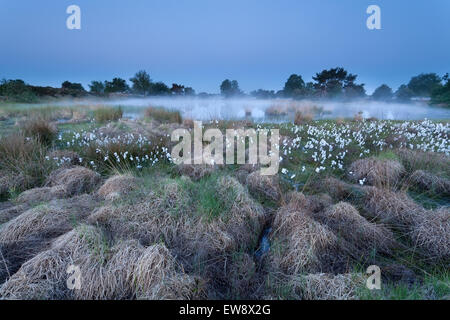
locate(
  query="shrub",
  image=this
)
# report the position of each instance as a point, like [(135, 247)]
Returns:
[(163, 115), (39, 128), (108, 114)]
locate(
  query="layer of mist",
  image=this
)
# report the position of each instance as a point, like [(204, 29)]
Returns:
[(273, 110)]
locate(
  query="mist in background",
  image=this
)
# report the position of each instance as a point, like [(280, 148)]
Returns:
[(217, 108)]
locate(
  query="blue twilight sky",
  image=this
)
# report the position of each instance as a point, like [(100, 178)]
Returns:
[(201, 42)]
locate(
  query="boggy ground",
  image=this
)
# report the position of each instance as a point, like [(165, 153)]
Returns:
[(101, 193)]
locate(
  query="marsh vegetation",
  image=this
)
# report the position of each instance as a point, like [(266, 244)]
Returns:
[(83, 185)]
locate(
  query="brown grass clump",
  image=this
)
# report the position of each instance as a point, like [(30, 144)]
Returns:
[(338, 189), (302, 118), (393, 208), (243, 276), (319, 202), (22, 162), (196, 171), (163, 115), (171, 216), (276, 110), (428, 181), (118, 186), (104, 114), (75, 180), (7, 184), (45, 276), (358, 117), (377, 172), (433, 162), (363, 236), (431, 234), (265, 186), (125, 271), (156, 277), (46, 221), (12, 212), (44, 194), (301, 244), (246, 218), (39, 128), (322, 286)]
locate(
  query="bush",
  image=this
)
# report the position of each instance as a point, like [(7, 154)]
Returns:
[(163, 115), (108, 114), (39, 128)]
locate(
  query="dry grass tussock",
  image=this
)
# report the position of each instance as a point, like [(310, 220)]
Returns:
[(48, 220), (9, 213), (431, 234), (163, 115), (174, 216), (104, 114), (338, 189), (22, 162), (429, 161), (395, 209), (377, 172), (323, 286), (302, 117), (265, 186), (428, 230), (156, 277), (118, 186), (31, 231), (196, 171), (171, 215), (39, 128), (44, 194), (301, 244), (126, 270), (75, 180), (361, 236), (430, 182)]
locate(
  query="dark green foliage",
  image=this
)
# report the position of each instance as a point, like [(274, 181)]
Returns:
[(230, 88), (263, 94), (404, 93), (116, 85), (141, 82), (17, 90), (97, 87), (441, 94), (72, 86), (383, 93), (159, 88), (294, 86), (424, 84), (337, 82)]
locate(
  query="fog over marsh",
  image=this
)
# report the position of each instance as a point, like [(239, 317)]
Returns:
[(219, 108)]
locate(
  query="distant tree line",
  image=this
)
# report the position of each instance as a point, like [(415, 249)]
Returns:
[(338, 83), (141, 84), (334, 83)]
